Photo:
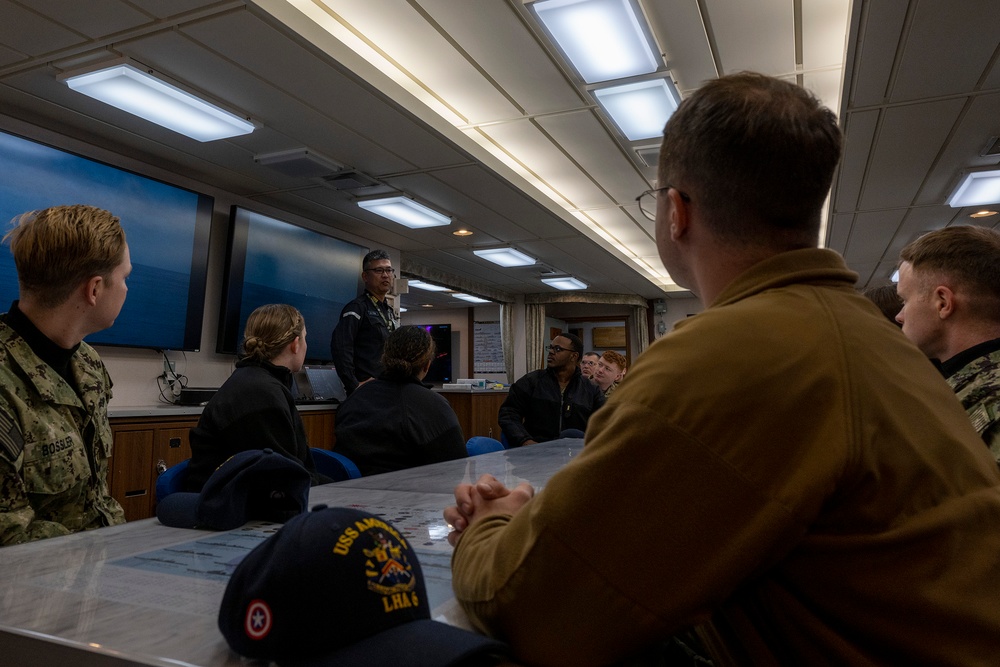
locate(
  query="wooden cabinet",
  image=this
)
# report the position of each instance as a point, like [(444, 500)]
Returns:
[(477, 411), (145, 446), (319, 428)]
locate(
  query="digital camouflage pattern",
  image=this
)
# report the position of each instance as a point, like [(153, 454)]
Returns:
[(54, 444), (977, 386)]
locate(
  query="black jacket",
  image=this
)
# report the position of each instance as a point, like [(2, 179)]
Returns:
[(254, 409), (536, 410), (391, 425), (358, 339)]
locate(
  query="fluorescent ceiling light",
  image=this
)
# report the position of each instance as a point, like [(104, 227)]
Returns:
[(565, 283), (604, 39), (640, 110), (406, 212), (419, 284), (139, 92), (505, 257), (976, 189), (470, 298)]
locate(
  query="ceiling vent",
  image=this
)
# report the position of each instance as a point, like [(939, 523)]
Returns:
[(349, 180), (650, 155), (299, 163)]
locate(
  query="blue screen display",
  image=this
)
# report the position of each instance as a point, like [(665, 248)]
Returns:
[(272, 261), (167, 230)]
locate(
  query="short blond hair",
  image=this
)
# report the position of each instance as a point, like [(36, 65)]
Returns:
[(57, 248), (270, 329)]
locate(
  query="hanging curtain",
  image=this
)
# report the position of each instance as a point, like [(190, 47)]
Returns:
[(507, 338), (535, 338), (640, 332)]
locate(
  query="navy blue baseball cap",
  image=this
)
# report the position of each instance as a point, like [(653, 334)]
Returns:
[(253, 484), (339, 587)]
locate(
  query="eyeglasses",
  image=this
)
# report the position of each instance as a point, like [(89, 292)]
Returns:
[(383, 271), (647, 200), (559, 348)]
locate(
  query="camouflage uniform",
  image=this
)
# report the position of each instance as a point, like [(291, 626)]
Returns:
[(977, 386), (55, 442)]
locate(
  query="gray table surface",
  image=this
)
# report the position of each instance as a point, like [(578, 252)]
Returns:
[(146, 594)]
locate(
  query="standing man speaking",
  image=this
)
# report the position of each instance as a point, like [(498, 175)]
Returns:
[(365, 323)]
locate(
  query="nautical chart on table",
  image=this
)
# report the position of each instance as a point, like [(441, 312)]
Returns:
[(191, 576)]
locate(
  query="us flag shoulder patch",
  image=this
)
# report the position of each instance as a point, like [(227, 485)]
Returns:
[(11, 440)]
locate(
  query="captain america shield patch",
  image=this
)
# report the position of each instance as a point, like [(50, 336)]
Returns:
[(258, 620)]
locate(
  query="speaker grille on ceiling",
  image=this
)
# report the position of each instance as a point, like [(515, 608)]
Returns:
[(349, 180), (299, 163)]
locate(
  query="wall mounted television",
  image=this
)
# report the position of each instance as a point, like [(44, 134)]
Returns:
[(440, 371), (167, 229), (273, 261)]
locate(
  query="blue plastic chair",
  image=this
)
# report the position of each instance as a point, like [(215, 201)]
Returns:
[(482, 445), (171, 480), (335, 466)]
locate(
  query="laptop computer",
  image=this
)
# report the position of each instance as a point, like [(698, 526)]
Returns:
[(318, 384)]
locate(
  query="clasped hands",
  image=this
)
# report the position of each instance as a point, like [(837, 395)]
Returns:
[(487, 497)]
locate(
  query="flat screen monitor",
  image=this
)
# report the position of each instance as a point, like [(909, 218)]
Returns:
[(273, 261), (440, 371), (167, 229)]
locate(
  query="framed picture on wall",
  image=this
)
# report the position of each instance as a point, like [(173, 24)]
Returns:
[(608, 337)]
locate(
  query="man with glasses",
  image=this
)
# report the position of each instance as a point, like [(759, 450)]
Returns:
[(554, 402), (588, 364), (365, 323), (784, 471)]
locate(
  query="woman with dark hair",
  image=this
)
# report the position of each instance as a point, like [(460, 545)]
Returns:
[(395, 422), (255, 408)]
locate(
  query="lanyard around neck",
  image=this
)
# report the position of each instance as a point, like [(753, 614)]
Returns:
[(389, 323)]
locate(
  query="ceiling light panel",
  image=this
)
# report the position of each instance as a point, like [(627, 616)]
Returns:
[(603, 39), (977, 188), (405, 211), (640, 110), (470, 298), (505, 257), (125, 86), (565, 283), (429, 287)]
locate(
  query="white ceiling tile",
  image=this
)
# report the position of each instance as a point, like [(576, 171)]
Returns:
[(871, 233), (590, 146), (824, 33), (978, 123), (859, 128), (428, 56), (757, 36), (529, 145), (680, 32), (94, 18), (26, 32), (876, 52), (909, 139), (493, 34), (930, 64)]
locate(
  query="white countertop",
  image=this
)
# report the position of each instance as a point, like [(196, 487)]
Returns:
[(146, 594)]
